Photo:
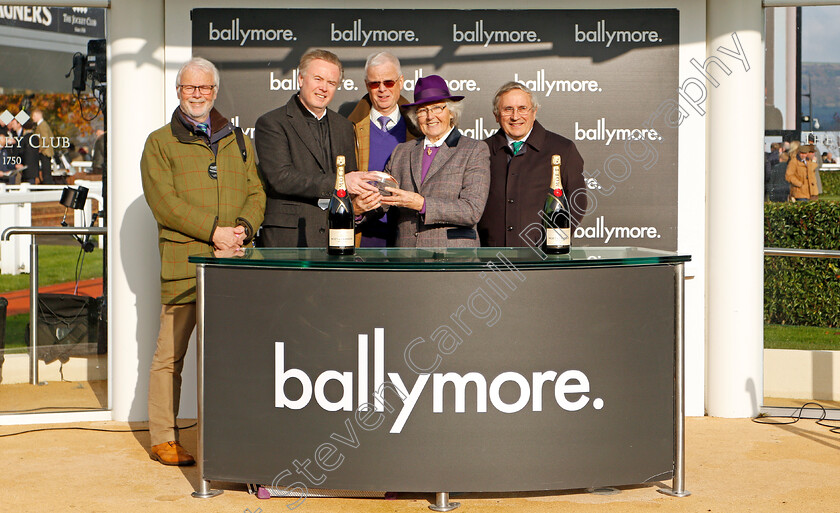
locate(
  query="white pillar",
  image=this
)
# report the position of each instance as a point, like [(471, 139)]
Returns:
[(791, 116), (735, 211), (135, 108)]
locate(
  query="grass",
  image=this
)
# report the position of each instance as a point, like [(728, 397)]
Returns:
[(778, 336), (56, 264), (15, 329)]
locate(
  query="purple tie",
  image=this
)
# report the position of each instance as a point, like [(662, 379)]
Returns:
[(428, 156), (383, 122)]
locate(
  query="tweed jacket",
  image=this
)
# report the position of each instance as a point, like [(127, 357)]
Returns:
[(188, 204), (45, 133), (296, 176), (360, 117), (802, 177), (519, 185), (455, 191)]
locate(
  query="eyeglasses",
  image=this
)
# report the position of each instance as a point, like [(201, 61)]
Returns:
[(426, 111), (521, 110), (204, 89), (375, 85)]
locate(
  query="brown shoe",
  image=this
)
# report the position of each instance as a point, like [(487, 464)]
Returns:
[(171, 453)]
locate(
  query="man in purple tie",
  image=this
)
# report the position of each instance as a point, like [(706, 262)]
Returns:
[(378, 127)]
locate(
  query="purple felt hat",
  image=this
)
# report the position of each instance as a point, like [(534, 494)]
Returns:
[(431, 89)]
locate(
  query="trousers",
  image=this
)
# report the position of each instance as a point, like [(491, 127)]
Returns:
[(176, 326)]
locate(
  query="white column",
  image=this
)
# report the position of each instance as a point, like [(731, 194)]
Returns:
[(135, 108), (735, 211), (791, 116)]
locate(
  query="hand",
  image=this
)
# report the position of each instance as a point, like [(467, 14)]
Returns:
[(227, 253), (405, 199), (225, 237), (357, 182), (366, 201)]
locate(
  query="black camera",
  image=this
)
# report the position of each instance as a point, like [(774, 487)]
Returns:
[(74, 198), (89, 67)]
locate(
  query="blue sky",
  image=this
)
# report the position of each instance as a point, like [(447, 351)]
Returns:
[(821, 34)]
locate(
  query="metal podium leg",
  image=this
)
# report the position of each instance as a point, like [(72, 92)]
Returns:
[(33, 311), (678, 487), (442, 502), (204, 491)]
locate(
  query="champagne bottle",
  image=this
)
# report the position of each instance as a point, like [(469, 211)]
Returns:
[(341, 219), (556, 215)]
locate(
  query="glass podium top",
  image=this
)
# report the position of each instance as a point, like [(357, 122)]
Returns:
[(437, 258)]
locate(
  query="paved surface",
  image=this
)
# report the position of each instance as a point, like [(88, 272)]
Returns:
[(731, 466)]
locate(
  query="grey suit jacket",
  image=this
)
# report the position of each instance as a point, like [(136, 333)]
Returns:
[(295, 175), (455, 190)]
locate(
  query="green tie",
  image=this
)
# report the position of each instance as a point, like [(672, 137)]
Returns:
[(516, 146)]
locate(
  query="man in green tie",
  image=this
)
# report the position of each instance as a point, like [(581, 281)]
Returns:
[(520, 171)]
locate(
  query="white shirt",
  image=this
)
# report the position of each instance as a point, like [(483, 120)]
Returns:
[(439, 143), (393, 117), (510, 140)]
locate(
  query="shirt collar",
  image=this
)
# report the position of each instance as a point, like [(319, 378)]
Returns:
[(195, 123), (439, 143), (510, 139), (315, 115), (393, 116)]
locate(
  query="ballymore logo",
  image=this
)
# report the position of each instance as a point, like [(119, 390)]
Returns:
[(540, 84), (601, 35), (454, 84), (479, 34), (605, 233), (568, 389), (235, 33), (357, 34), (601, 133)]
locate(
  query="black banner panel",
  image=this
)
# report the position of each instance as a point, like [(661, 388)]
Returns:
[(439, 380), (607, 79)]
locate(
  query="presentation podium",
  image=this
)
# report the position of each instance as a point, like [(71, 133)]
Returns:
[(437, 370)]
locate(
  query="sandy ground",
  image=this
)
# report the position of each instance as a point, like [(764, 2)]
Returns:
[(732, 465)]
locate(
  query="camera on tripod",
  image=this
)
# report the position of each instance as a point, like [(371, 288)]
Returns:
[(90, 67)]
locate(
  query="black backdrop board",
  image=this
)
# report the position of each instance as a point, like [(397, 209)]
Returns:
[(601, 76), (613, 347)]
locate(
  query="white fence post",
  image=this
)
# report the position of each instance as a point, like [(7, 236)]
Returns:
[(14, 253)]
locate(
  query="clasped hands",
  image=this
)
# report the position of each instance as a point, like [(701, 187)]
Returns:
[(367, 197), (227, 240)]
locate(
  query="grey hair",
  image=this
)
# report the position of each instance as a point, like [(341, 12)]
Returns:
[(380, 58), (510, 86), (455, 110), (202, 64)]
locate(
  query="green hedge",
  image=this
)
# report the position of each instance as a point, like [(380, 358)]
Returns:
[(831, 182), (802, 291)]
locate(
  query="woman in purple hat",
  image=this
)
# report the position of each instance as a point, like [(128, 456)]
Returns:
[(444, 177)]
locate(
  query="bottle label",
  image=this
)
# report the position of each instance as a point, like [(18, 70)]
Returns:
[(558, 237), (343, 238)]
